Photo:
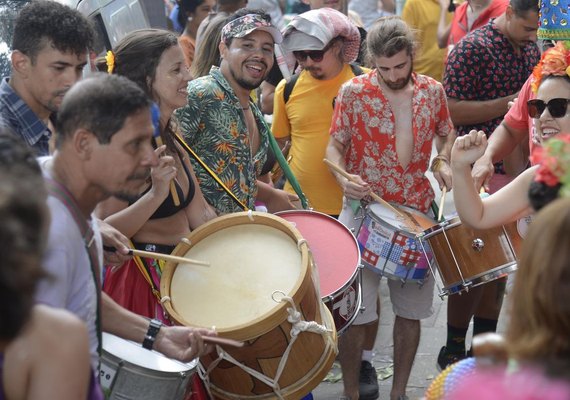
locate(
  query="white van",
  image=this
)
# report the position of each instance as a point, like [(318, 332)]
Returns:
[(113, 19)]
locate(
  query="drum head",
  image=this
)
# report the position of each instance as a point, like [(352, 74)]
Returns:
[(249, 263), (135, 354), (333, 246), (416, 224)]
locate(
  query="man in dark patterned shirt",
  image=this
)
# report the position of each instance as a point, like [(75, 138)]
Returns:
[(485, 71), (489, 66)]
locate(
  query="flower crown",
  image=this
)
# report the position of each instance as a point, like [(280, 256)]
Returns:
[(554, 61), (110, 59), (554, 160)]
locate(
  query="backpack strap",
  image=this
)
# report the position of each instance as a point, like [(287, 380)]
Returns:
[(289, 87), (356, 69)]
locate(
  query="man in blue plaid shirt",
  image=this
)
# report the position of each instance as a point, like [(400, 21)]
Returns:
[(49, 50)]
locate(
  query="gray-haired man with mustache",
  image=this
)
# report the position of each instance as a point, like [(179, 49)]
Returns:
[(103, 149)]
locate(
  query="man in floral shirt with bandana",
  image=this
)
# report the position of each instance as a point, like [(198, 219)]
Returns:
[(224, 127), (382, 132)]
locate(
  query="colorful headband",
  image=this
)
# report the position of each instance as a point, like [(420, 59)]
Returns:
[(110, 59), (554, 61), (245, 25), (554, 163)]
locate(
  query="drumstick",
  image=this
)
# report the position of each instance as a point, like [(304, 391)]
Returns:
[(167, 257), (372, 194), (222, 341), (155, 113), (441, 203)]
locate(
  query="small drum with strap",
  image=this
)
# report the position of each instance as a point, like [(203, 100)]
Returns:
[(128, 371), (259, 288), (389, 244), (337, 256), (468, 257)]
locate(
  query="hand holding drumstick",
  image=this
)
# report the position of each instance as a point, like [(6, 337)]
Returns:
[(356, 188), (155, 113)]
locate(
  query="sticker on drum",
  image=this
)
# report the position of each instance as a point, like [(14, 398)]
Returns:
[(337, 257), (129, 371), (389, 244), (522, 225)]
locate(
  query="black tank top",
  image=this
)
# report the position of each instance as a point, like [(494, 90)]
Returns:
[(167, 208)]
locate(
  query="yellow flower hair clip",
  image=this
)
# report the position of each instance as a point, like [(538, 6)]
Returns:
[(110, 58)]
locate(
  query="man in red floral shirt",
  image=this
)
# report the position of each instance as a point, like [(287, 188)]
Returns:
[(382, 132)]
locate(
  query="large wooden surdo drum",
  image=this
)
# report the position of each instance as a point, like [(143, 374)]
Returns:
[(259, 288)]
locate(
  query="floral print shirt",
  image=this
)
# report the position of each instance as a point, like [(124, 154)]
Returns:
[(363, 121), (484, 66), (213, 125)]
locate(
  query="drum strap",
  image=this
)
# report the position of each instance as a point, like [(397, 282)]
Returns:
[(435, 210), (209, 171), (61, 193), (286, 169), (144, 270)]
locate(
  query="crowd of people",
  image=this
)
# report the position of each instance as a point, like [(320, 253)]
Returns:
[(168, 130)]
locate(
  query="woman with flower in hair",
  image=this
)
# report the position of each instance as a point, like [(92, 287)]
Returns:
[(538, 185), (536, 344), (172, 204)]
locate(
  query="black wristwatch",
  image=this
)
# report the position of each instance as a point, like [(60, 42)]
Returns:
[(150, 336)]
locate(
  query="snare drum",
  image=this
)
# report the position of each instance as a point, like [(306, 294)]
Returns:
[(129, 371), (336, 254), (468, 257), (259, 288), (389, 245)]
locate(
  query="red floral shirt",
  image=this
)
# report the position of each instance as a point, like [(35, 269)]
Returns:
[(363, 122)]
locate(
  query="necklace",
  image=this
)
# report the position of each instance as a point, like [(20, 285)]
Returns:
[(245, 108)]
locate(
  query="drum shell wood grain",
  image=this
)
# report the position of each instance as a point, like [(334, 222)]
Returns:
[(457, 259), (267, 336)]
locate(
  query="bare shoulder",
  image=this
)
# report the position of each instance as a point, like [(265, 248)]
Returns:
[(53, 340), (65, 328)]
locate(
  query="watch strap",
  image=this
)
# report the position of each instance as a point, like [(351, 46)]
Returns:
[(150, 337)]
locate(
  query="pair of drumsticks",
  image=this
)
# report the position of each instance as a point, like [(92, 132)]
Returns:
[(372, 194), (436, 165)]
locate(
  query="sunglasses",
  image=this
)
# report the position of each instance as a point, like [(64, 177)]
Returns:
[(556, 107), (316, 55)]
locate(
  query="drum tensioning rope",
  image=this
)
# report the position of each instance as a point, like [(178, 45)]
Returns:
[(298, 326)]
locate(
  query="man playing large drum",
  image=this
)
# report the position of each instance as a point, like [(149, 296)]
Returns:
[(382, 132)]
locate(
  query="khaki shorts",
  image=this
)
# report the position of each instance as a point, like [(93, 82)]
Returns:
[(411, 300)]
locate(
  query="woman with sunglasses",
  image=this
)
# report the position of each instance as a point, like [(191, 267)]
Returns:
[(551, 114)]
